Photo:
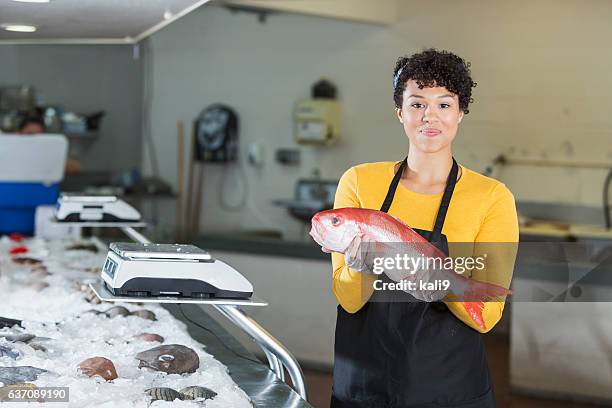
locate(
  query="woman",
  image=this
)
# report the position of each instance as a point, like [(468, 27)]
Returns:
[(420, 354)]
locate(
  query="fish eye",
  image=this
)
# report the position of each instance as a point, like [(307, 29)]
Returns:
[(335, 220), (165, 357)]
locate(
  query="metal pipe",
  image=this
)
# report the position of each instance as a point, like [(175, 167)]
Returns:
[(265, 339), (282, 371), (273, 362), (553, 163), (275, 365), (280, 368), (269, 356), (273, 349), (135, 235)]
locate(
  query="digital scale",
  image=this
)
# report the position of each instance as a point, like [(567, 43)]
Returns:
[(84, 209), (144, 270)]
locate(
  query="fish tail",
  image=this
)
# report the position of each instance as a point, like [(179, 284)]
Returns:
[(476, 294), (475, 309)]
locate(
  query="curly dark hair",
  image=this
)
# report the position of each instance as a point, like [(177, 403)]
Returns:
[(434, 68)]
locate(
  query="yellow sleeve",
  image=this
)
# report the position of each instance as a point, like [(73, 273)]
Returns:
[(497, 238), (350, 287)]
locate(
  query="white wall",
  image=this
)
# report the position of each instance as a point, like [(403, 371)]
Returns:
[(543, 91)]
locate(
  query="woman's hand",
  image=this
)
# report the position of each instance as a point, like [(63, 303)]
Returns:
[(358, 255)]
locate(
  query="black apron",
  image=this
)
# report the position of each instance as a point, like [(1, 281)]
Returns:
[(400, 354)]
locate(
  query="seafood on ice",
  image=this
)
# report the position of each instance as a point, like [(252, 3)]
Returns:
[(169, 358)]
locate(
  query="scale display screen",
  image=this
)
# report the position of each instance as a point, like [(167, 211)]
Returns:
[(110, 267)]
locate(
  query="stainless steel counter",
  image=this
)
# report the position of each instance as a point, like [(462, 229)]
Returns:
[(256, 379)]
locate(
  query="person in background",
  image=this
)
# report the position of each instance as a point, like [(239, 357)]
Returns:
[(31, 125)]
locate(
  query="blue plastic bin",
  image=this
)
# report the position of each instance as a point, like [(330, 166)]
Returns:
[(18, 202)]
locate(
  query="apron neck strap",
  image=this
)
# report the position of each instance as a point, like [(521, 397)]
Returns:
[(393, 186), (451, 181)]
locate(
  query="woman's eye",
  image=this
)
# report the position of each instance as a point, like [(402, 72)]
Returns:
[(444, 105), (417, 105)]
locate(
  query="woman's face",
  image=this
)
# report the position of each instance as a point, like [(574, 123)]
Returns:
[(430, 117)]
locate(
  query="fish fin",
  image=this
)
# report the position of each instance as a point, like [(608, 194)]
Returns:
[(360, 232)]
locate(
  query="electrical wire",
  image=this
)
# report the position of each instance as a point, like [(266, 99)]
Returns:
[(180, 306)]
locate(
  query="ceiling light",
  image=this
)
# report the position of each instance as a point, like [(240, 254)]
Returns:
[(19, 28), (32, 1)]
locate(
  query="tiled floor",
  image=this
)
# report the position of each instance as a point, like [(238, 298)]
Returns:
[(319, 383)]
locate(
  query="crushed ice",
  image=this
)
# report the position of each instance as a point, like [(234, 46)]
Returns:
[(82, 335)]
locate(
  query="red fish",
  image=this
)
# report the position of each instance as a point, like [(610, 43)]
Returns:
[(18, 250), (335, 229), (16, 237)]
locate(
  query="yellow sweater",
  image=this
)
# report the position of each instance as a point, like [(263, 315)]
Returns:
[(481, 211)]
